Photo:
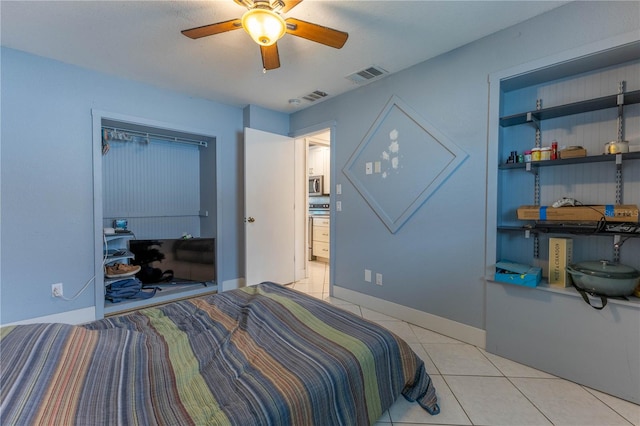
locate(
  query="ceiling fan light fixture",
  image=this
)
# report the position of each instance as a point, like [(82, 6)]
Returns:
[(264, 26)]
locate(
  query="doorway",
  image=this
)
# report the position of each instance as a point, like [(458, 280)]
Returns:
[(316, 174)]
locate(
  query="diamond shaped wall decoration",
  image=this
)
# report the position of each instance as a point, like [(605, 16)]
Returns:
[(400, 163)]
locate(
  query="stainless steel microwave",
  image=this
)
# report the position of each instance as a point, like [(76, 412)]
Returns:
[(316, 186)]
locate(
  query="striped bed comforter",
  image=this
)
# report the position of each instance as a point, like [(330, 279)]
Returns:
[(261, 355)]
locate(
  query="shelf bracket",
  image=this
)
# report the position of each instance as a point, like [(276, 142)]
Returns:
[(616, 248), (533, 120), (532, 168)]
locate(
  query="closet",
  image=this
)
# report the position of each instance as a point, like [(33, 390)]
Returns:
[(161, 183)]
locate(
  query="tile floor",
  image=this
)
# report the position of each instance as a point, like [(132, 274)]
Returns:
[(477, 388)]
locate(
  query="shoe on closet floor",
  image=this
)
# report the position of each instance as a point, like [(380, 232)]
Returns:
[(119, 270)]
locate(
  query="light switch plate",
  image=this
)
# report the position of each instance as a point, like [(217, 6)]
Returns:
[(368, 168)]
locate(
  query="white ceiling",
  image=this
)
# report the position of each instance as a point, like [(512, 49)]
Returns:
[(141, 40)]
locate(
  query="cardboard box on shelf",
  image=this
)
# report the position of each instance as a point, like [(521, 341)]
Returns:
[(611, 213), (560, 255), (572, 152)]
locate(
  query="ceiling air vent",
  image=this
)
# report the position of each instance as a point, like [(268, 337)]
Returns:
[(367, 74), (315, 95)]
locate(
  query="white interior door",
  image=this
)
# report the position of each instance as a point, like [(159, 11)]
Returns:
[(269, 207)]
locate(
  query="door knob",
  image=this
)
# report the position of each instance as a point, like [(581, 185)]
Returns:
[(250, 219)]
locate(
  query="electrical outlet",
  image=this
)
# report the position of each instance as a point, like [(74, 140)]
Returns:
[(339, 189), (367, 275), (56, 290), (378, 279), (338, 206)]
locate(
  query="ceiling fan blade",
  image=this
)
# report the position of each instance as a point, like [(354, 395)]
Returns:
[(270, 57), (318, 33), (289, 4), (207, 30)]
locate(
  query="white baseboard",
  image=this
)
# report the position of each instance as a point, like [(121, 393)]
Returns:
[(456, 330), (78, 316)]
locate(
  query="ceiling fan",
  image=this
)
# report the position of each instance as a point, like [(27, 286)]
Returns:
[(264, 23)]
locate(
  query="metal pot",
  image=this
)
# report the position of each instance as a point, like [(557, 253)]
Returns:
[(604, 278), (616, 147)]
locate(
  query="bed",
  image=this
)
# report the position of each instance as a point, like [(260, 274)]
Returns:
[(260, 355)]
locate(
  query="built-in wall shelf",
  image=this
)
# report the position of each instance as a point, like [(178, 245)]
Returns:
[(552, 328), (580, 160), (115, 249), (631, 301), (631, 230), (596, 104)]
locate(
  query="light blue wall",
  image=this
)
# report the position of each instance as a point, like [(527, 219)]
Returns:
[(266, 120), (47, 177), (435, 262)]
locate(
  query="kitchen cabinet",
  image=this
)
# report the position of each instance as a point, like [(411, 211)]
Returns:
[(315, 162), (319, 163), (586, 101), (320, 238)]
